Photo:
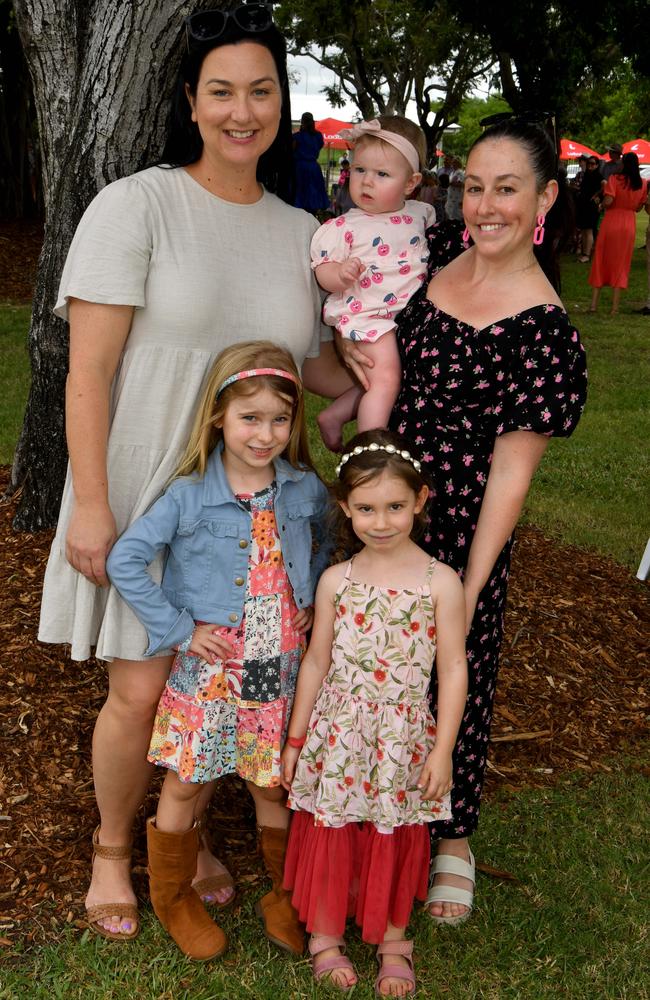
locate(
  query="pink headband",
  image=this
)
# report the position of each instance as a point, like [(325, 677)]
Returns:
[(251, 373), (373, 128)]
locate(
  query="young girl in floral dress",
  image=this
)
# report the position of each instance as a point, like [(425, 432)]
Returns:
[(366, 767), (238, 525)]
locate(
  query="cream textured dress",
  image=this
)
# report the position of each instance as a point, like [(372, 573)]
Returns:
[(203, 274)]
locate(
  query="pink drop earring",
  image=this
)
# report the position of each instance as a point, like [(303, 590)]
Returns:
[(538, 235), (465, 235)]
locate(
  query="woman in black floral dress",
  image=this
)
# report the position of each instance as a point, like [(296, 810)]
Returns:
[(492, 368)]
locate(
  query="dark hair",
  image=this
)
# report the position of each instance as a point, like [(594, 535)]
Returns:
[(559, 226), (307, 123), (183, 143), (630, 171), (362, 468)]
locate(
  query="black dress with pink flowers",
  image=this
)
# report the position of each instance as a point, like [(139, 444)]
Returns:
[(461, 389)]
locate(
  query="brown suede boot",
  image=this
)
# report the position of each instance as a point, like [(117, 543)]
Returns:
[(281, 923), (172, 866)]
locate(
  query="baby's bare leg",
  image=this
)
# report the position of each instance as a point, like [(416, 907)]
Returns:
[(332, 420), (376, 404), (326, 376)]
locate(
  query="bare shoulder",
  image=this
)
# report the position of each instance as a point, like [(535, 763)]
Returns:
[(331, 579), (445, 583)]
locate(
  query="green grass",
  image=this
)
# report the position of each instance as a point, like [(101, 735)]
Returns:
[(573, 925), (14, 376), (591, 490)]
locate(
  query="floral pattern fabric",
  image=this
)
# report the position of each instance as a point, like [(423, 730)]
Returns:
[(371, 728), (230, 717), (461, 389), (393, 250)]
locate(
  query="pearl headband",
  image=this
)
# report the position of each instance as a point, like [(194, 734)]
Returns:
[(399, 142), (389, 448), (251, 373)]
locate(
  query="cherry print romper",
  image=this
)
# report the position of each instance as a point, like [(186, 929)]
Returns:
[(461, 389), (361, 820), (392, 248)]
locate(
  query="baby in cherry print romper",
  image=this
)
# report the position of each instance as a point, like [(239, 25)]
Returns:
[(372, 260)]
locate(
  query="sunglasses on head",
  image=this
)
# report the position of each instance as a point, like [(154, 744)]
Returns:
[(207, 25)]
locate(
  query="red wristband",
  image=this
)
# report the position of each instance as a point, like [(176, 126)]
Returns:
[(297, 742)]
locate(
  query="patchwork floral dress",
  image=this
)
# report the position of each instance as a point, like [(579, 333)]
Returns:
[(230, 717), (361, 819)]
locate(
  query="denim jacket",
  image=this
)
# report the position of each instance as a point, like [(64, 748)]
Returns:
[(207, 533)]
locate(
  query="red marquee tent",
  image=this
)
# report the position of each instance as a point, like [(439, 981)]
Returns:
[(330, 128), (639, 146), (570, 150)]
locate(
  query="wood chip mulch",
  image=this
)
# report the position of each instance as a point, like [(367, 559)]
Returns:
[(20, 246), (571, 694)]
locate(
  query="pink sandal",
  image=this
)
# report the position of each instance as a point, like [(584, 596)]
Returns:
[(325, 966), (387, 971)]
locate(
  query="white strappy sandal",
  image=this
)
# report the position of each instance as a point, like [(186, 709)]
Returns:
[(447, 864)]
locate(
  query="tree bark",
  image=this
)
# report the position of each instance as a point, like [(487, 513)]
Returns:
[(101, 73)]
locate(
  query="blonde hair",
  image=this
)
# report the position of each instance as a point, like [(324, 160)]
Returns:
[(205, 436), (404, 127)]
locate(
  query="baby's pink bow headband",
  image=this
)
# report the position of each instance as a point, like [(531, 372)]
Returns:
[(373, 128)]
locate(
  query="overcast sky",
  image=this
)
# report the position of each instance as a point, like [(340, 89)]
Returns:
[(306, 96)]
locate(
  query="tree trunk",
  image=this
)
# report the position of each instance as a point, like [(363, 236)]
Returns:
[(101, 72)]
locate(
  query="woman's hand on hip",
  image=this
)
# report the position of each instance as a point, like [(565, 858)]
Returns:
[(355, 359), (91, 536)]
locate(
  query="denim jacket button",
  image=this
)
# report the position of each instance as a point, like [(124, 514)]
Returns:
[(243, 543), (239, 580), (232, 616)]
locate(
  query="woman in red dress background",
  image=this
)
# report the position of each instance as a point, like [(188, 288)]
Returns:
[(624, 195)]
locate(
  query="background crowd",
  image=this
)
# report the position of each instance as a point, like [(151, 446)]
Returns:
[(606, 193)]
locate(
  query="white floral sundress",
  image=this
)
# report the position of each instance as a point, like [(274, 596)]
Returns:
[(371, 728)]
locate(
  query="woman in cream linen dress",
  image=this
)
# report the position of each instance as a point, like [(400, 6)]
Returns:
[(202, 273), (167, 268)]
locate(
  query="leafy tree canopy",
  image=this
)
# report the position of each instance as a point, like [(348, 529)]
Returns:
[(386, 53), (458, 143), (551, 54)]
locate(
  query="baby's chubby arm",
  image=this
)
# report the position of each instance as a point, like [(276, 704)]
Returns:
[(336, 277)]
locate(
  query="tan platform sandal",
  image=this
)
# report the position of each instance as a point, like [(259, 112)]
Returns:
[(123, 911)]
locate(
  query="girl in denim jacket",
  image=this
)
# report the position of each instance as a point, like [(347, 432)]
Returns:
[(241, 525)]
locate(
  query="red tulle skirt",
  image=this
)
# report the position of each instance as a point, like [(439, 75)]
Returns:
[(354, 871)]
